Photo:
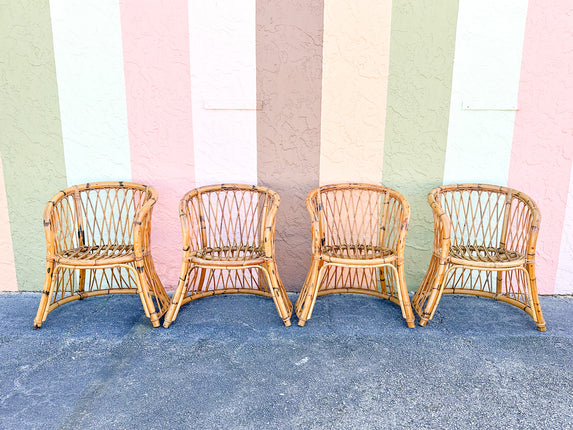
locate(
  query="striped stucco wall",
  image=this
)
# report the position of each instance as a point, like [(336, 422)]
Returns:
[(290, 95)]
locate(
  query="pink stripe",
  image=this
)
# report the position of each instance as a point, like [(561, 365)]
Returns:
[(7, 265), (158, 86), (543, 136)]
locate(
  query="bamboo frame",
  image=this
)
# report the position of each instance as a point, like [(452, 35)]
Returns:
[(358, 237), (481, 230), (97, 239), (228, 246)]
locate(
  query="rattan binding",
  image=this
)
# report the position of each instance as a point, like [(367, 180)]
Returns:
[(358, 235), (97, 238), (481, 230), (228, 246)]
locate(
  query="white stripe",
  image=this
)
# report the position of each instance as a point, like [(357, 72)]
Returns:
[(487, 64), (223, 90), (563, 284), (91, 87)]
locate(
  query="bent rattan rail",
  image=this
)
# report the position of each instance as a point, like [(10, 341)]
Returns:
[(358, 235), (97, 238), (480, 230), (228, 246)]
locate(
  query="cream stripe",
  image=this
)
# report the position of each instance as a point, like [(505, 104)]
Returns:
[(354, 85)]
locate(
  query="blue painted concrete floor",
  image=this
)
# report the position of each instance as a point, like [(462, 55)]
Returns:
[(228, 362)]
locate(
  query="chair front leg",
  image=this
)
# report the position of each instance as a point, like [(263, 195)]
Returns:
[(179, 294), (47, 292)]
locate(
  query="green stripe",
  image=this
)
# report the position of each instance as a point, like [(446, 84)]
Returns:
[(31, 139), (422, 45)]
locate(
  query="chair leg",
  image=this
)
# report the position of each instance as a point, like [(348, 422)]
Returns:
[(280, 298), (299, 304), (144, 294), (179, 293), (436, 286), (47, 292), (82, 283), (311, 291), (404, 297), (532, 281)]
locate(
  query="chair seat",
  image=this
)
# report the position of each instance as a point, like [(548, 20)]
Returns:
[(362, 254), (229, 255), (485, 256), (96, 255)]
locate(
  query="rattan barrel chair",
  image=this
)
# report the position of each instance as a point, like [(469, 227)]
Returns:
[(358, 237), (97, 238), (228, 246), (484, 245)]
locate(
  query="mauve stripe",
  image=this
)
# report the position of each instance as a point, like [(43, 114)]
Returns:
[(158, 86), (289, 78), (542, 150)]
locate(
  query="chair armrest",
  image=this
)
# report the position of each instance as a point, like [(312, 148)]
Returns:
[(442, 228)]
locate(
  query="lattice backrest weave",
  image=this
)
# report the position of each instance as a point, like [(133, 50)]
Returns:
[(96, 215), (485, 215), (229, 216), (357, 214)]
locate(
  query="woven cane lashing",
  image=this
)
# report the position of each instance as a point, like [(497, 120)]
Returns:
[(96, 221), (228, 225), (486, 224), (357, 223), (228, 246)]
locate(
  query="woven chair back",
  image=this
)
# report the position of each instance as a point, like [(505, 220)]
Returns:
[(97, 216), (228, 219), (487, 216), (358, 214)]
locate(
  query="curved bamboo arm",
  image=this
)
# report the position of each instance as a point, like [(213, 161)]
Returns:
[(442, 227), (535, 224), (404, 223), (49, 224), (314, 213), (269, 222), (142, 224)]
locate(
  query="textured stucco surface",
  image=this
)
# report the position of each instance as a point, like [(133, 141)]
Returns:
[(31, 141), (354, 82), (289, 78), (542, 153), (158, 88), (419, 88), (187, 92), (7, 266), (485, 84), (223, 84), (91, 89)]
